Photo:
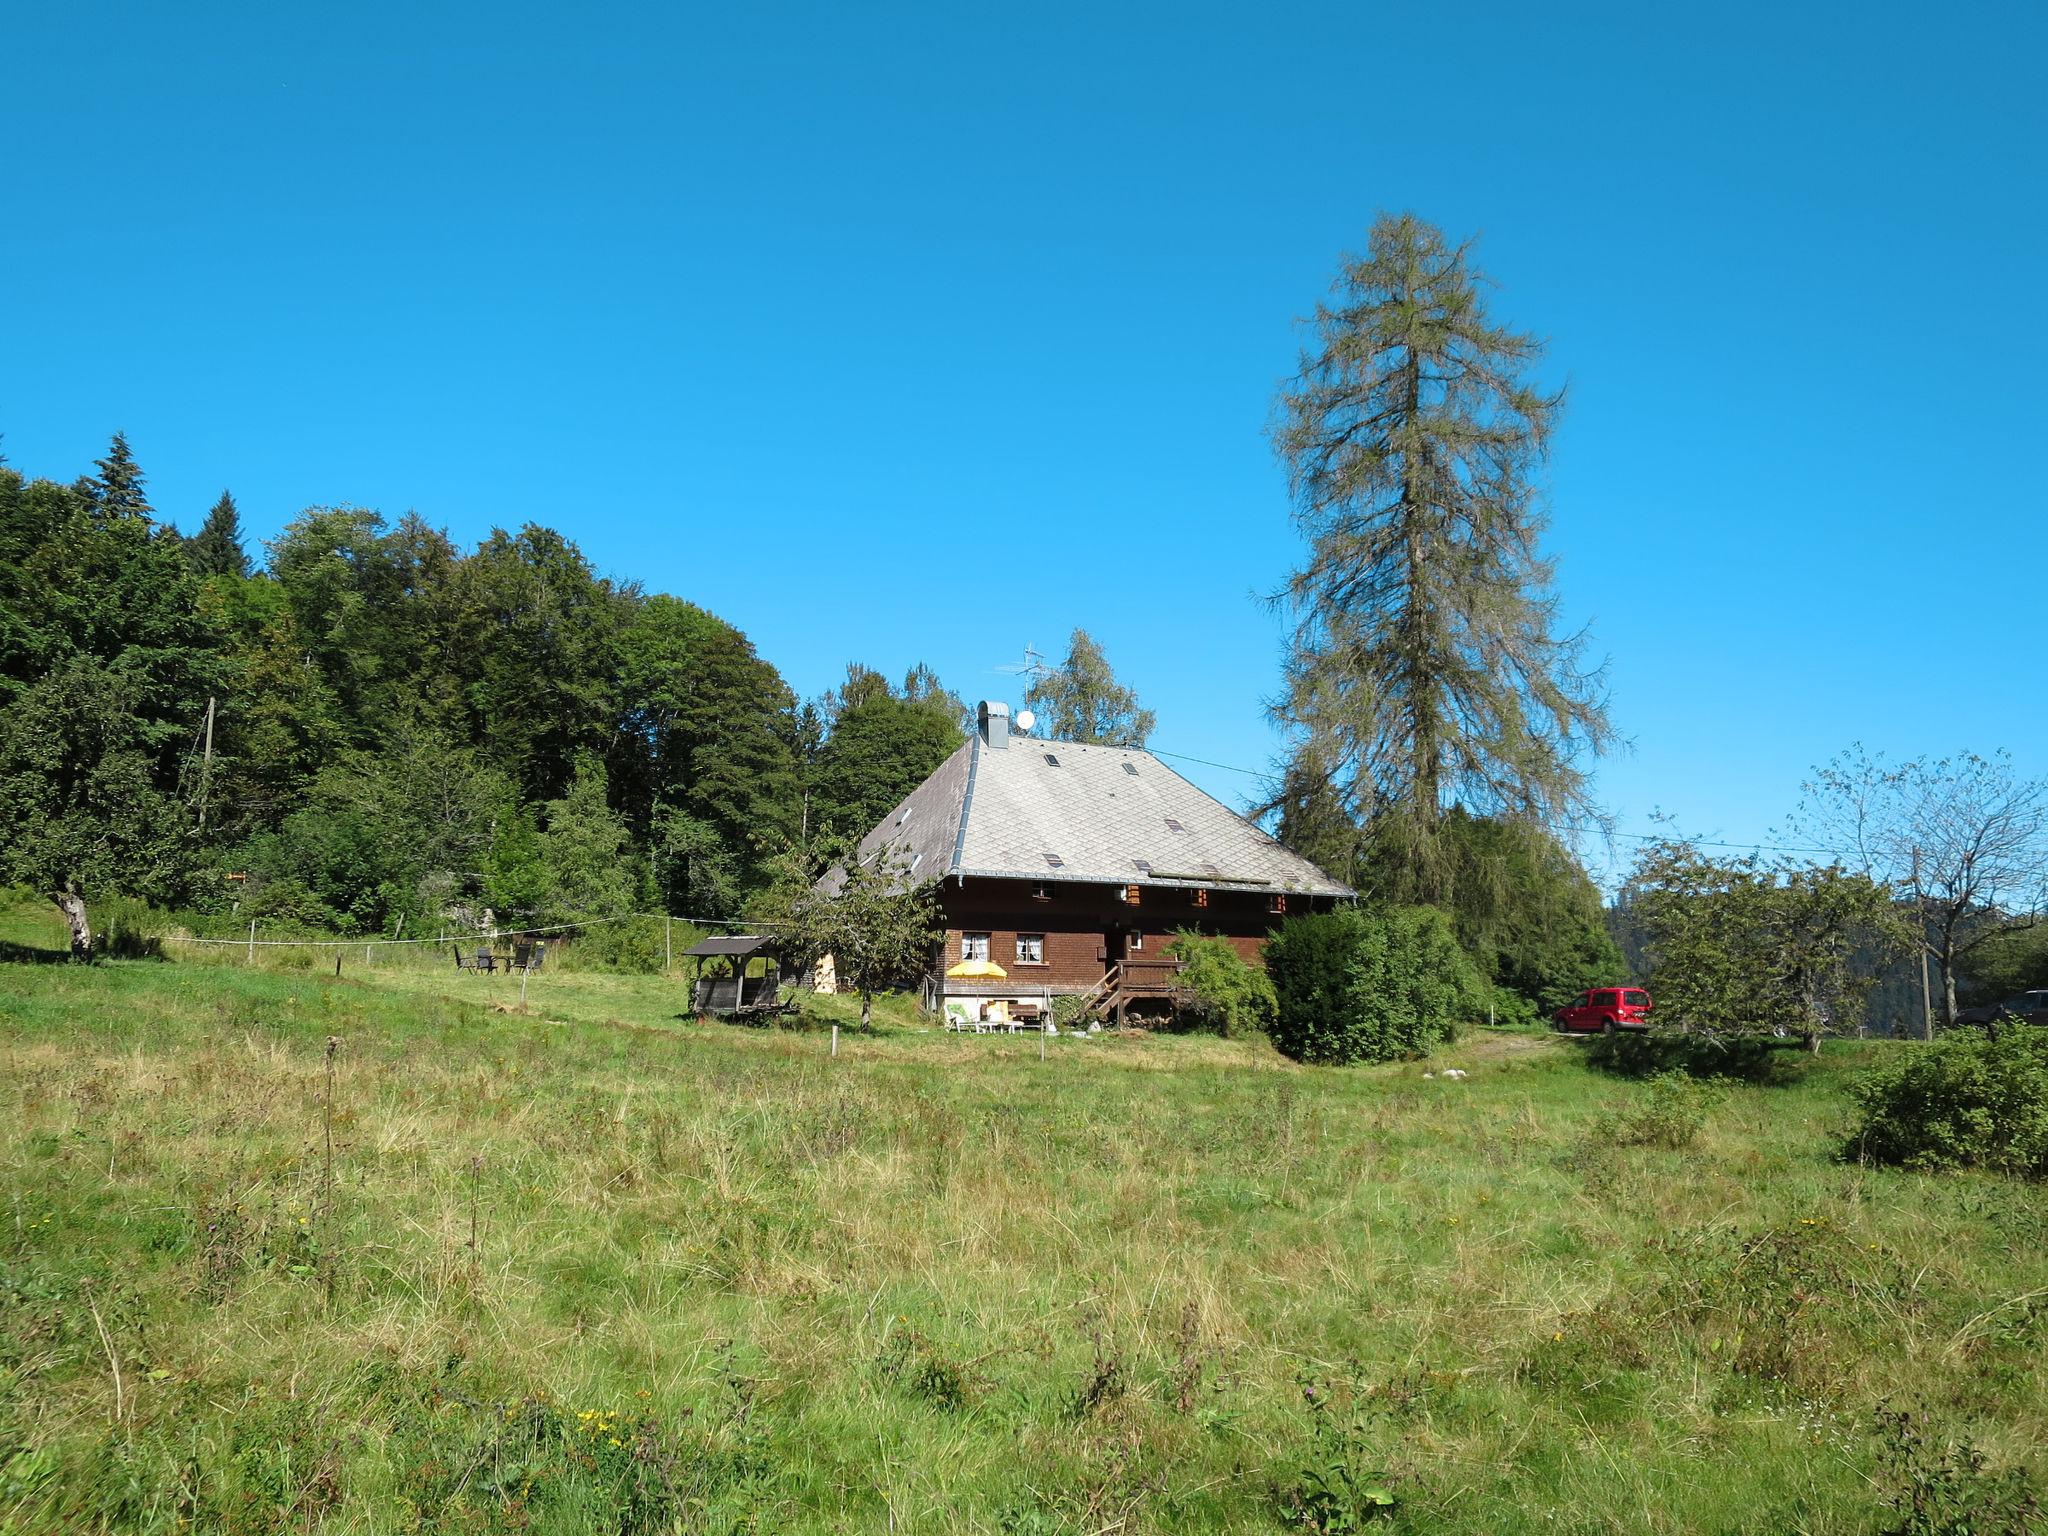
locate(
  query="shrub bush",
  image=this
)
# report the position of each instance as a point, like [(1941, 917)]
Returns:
[(1673, 1116), (1972, 1099), (1369, 984), (1230, 997)]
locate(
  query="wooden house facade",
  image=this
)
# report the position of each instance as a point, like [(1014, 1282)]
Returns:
[(1071, 867)]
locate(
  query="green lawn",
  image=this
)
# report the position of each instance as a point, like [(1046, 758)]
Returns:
[(592, 1266)]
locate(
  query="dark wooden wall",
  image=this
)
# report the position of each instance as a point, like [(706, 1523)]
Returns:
[(1076, 917)]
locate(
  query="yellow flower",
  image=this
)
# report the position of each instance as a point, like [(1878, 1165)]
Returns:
[(1556, 1338)]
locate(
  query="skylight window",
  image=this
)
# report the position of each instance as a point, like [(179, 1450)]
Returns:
[(1144, 866), (1174, 826), (903, 815), (1055, 861), (1131, 769), (1051, 761)]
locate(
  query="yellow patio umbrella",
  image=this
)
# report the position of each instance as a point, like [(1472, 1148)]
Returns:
[(978, 970)]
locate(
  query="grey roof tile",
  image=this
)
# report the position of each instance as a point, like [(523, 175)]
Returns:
[(1108, 814)]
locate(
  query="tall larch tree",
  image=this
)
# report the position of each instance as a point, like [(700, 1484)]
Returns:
[(1426, 669)]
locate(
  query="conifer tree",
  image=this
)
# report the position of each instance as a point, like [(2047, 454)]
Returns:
[(1425, 669), (216, 549), (118, 487)]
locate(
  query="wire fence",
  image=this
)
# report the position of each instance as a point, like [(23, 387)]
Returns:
[(480, 936)]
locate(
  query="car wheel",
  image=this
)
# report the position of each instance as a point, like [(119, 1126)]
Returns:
[(1609, 1028)]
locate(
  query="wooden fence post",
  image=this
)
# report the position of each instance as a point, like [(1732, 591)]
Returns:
[(252, 941)]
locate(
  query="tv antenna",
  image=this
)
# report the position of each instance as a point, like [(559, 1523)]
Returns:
[(1031, 668)]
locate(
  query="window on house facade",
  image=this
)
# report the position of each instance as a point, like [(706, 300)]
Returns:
[(1136, 943), (973, 946), (1276, 902), (1043, 890), (1031, 949), (1199, 896)]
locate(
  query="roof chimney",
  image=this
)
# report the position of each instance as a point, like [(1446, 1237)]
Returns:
[(994, 717)]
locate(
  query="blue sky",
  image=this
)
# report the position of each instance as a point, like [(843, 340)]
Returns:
[(902, 333)]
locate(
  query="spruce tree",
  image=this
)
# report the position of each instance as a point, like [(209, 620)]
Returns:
[(216, 549), (1425, 669), (117, 489)]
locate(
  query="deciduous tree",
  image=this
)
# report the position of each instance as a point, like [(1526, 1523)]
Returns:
[(1739, 946), (1965, 837), (1081, 700)]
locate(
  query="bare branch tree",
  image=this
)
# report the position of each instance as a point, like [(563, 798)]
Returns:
[(1967, 836)]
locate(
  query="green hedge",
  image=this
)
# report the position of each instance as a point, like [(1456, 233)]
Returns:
[(1370, 984)]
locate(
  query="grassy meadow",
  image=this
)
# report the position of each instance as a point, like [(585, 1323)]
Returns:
[(588, 1265)]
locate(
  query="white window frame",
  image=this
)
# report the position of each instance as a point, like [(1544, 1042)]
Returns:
[(1036, 941), (974, 946)]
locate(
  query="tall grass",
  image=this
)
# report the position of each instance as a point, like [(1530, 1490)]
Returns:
[(594, 1266)]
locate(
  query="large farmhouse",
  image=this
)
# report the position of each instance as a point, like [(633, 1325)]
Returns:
[(1067, 869)]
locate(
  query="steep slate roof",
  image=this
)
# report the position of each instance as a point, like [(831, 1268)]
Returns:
[(1108, 814)]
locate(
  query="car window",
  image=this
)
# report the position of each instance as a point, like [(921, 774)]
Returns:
[(1636, 999)]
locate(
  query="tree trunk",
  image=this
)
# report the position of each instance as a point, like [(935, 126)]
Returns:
[(867, 1008), (72, 905)]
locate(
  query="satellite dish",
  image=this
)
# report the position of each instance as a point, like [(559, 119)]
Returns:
[(1026, 719)]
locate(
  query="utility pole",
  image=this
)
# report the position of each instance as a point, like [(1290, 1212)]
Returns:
[(1920, 919), (206, 764)]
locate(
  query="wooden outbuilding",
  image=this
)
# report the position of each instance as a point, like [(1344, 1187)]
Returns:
[(731, 990)]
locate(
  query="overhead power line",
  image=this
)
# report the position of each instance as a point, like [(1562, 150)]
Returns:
[(1637, 837)]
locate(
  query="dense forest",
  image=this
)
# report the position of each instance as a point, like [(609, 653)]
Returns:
[(377, 725), (373, 727)]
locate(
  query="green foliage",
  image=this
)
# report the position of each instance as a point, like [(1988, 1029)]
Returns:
[(1672, 1116), (585, 849), (2007, 962), (1081, 700), (880, 928), (1343, 1486), (515, 871), (1737, 945), (1972, 1099), (216, 549), (1231, 997), (383, 834), (713, 780), (880, 749), (1369, 984), (1423, 669), (1941, 1488), (1525, 910)]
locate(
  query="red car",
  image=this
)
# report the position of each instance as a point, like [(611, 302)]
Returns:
[(1606, 1008)]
